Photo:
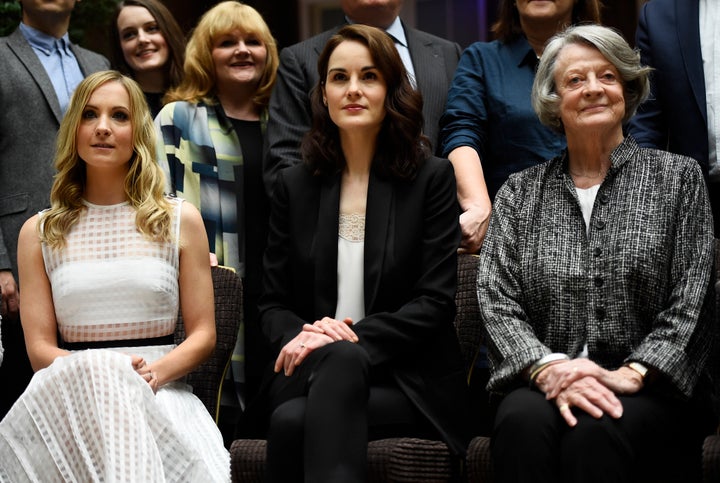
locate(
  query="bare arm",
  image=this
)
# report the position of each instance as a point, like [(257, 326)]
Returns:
[(196, 302), (38, 311), (472, 196)]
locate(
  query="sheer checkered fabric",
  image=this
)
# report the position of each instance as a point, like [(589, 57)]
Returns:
[(89, 416)]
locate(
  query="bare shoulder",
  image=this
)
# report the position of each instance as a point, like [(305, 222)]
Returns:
[(28, 232), (192, 228), (190, 216)]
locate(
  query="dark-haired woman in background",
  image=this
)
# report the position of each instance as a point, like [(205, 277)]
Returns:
[(361, 274), (149, 47)]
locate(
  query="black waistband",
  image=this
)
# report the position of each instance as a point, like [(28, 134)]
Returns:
[(106, 344)]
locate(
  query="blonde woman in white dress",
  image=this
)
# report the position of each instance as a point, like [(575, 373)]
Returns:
[(108, 265)]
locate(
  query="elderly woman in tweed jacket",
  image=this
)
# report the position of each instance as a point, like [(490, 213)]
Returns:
[(594, 287)]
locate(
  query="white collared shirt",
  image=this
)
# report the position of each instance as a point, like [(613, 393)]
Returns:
[(710, 49)]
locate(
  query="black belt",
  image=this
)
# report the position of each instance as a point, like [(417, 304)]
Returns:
[(106, 344)]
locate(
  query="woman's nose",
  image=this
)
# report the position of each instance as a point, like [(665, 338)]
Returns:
[(592, 85), (102, 127), (242, 48), (353, 87)]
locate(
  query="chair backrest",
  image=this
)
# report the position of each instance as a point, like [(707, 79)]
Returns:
[(467, 319), (207, 379)]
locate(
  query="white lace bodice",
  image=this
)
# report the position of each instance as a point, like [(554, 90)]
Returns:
[(140, 298), (350, 267)]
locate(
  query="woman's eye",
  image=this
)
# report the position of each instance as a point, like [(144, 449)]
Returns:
[(128, 35), (370, 76), (152, 28), (88, 114), (253, 42), (121, 116), (339, 77)]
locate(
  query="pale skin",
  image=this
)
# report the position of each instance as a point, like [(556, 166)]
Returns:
[(104, 186), (52, 18), (539, 22), (144, 47), (591, 108), (354, 93)]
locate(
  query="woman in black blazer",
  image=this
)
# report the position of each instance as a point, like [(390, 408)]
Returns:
[(360, 275)]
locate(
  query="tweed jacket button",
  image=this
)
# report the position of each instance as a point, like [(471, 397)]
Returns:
[(600, 313), (604, 198), (599, 224), (597, 251), (598, 281)]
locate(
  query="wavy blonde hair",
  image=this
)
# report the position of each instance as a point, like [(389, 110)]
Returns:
[(199, 82), (144, 182)]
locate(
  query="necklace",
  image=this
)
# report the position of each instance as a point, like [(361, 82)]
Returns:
[(599, 174)]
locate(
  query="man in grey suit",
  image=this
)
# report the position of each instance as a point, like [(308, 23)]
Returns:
[(40, 69), (430, 60)]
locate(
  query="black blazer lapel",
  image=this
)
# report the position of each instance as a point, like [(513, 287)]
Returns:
[(324, 247), (27, 56), (378, 244), (688, 30)]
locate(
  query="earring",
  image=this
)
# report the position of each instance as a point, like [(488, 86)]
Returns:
[(325, 101)]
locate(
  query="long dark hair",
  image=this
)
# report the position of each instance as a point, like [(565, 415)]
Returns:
[(507, 28), (401, 146), (170, 30)]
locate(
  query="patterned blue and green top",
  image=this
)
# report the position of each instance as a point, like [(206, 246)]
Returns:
[(201, 156)]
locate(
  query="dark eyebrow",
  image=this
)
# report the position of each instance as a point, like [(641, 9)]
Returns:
[(343, 69)]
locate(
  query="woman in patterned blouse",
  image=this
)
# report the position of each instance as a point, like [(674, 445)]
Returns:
[(594, 287)]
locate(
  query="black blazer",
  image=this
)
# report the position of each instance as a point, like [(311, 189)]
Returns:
[(674, 118), (411, 239), (434, 60)]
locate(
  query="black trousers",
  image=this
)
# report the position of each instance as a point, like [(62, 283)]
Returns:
[(657, 439), (325, 413)]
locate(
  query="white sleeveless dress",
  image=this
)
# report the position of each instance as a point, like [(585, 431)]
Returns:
[(89, 416)]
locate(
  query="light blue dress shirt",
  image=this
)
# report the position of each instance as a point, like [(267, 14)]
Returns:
[(59, 61)]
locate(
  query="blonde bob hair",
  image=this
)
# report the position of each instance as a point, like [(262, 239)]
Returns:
[(144, 182), (199, 82)]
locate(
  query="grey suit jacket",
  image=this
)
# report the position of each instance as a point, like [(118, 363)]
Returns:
[(434, 60), (29, 119)]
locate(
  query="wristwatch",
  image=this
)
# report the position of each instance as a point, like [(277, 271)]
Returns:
[(638, 367)]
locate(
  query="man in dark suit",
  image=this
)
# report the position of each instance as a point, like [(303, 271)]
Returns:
[(40, 69), (433, 62), (674, 38)]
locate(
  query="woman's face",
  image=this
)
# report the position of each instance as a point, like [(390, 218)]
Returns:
[(105, 133), (239, 58), (590, 89), (545, 10), (354, 90), (142, 43)]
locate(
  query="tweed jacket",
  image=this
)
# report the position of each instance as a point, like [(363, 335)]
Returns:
[(434, 60), (636, 286), (29, 119), (203, 163)]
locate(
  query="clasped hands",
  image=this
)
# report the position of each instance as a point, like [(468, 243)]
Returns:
[(141, 366), (313, 336), (583, 384)]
